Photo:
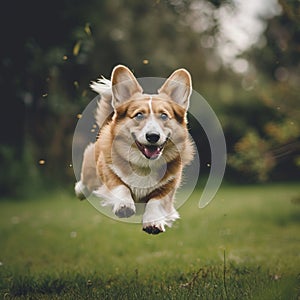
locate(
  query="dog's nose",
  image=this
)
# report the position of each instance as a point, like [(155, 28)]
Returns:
[(152, 137)]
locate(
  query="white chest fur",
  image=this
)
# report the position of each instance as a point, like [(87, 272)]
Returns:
[(142, 181)]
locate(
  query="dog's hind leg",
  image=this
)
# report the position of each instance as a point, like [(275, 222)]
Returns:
[(89, 180)]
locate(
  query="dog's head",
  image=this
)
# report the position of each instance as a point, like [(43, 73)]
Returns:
[(150, 124)]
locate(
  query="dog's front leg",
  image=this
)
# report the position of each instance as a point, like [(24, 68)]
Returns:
[(119, 198), (158, 213)]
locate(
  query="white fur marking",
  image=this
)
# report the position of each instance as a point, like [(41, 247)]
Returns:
[(150, 105), (146, 183)]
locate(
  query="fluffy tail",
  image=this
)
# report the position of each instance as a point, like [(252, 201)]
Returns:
[(104, 109)]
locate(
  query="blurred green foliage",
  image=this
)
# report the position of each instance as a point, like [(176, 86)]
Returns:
[(273, 141), (48, 61)]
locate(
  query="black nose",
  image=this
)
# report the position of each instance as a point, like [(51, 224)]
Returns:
[(152, 137)]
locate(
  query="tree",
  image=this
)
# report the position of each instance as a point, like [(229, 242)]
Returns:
[(52, 50), (272, 147)]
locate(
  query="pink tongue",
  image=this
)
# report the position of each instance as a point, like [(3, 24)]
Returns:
[(151, 151)]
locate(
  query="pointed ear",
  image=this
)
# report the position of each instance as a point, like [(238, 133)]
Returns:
[(178, 87), (124, 85)]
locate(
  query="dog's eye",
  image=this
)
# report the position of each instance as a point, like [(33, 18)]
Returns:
[(139, 116), (164, 117)]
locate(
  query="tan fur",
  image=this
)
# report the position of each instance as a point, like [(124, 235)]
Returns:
[(117, 162)]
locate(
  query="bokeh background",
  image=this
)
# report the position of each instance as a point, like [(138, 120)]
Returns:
[(244, 57)]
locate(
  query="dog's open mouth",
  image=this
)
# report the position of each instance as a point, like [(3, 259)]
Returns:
[(150, 151)]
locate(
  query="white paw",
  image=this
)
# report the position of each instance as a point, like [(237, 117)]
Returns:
[(156, 217), (119, 199), (80, 190), (124, 209)]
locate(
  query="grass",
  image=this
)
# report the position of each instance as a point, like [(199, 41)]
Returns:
[(244, 245)]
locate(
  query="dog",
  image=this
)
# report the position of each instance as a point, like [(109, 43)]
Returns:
[(142, 147)]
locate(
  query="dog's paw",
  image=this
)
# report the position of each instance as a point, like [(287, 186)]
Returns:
[(152, 229), (119, 199), (81, 190), (156, 217), (124, 212), (124, 209)]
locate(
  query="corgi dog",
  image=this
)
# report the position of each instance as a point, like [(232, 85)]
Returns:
[(142, 147)]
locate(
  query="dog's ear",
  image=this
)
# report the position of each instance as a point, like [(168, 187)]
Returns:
[(178, 87), (124, 85)]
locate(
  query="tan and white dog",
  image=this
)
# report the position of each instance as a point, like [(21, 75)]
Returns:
[(142, 147)]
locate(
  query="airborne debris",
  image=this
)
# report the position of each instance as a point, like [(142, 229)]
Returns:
[(76, 84), (42, 162), (87, 29), (76, 48)]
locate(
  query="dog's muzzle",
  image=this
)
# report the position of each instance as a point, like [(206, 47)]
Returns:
[(151, 150)]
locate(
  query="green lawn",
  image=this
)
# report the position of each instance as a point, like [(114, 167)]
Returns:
[(57, 247)]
